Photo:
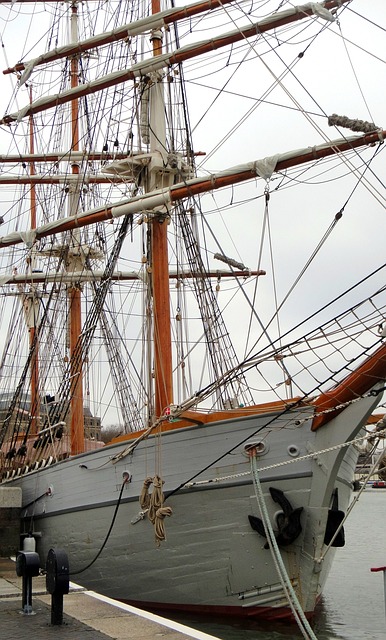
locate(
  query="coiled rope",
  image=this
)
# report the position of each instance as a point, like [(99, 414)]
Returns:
[(153, 504)]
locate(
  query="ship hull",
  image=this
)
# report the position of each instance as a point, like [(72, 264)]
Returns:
[(212, 561)]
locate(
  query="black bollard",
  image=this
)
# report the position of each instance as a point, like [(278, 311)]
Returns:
[(27, 567), (57, 582)]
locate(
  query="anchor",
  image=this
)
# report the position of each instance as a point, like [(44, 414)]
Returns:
[(334, 531), (288, 522)]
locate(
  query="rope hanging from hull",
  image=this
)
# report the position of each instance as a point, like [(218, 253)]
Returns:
[(291, 596), (154, 504)]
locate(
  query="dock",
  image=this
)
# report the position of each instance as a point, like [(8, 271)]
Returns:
[(86, 615)]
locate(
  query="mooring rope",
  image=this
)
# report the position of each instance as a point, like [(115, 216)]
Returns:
[(125, 480), (288, 589)]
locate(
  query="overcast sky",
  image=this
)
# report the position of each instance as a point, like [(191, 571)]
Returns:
[(244, 114)]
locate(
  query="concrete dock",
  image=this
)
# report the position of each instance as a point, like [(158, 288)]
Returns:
[(86, 615)]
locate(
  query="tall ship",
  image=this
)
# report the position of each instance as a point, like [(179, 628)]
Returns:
[(191, 257)]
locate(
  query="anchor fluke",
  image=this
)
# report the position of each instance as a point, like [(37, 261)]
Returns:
[(288, 522)]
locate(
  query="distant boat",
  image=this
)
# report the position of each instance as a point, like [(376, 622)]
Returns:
[(153, 280), (378, 484)]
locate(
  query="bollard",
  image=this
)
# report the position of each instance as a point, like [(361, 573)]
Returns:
[(383, 569), (27, 567), (57, 582)]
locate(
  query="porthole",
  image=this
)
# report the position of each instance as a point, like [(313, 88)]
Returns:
[(293, 450)]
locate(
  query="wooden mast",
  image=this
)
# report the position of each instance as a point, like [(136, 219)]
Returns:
[(33, 344), (74, 292), (163, 369)]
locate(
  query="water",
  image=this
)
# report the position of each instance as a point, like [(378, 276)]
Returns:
[(353, 605)]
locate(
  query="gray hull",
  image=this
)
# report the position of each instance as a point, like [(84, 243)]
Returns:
[(211, 560)]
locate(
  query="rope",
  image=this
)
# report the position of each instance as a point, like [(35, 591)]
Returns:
[(154, 504), (314, 454), (370, 473), (188, 482), (159, 526), (156, 498), (75, 573), (285, 581), (144, 498)]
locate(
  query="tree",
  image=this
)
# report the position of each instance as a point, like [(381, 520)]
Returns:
[(110, 432)]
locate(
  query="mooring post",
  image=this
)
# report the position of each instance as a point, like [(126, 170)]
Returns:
[(383, 569), (27, 567), (57, 582)]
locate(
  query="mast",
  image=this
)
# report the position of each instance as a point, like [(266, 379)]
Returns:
[(163, 368), (31, 300), (74, 291)]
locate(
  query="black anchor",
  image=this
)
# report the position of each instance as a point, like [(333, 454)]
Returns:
[(288, 522)]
